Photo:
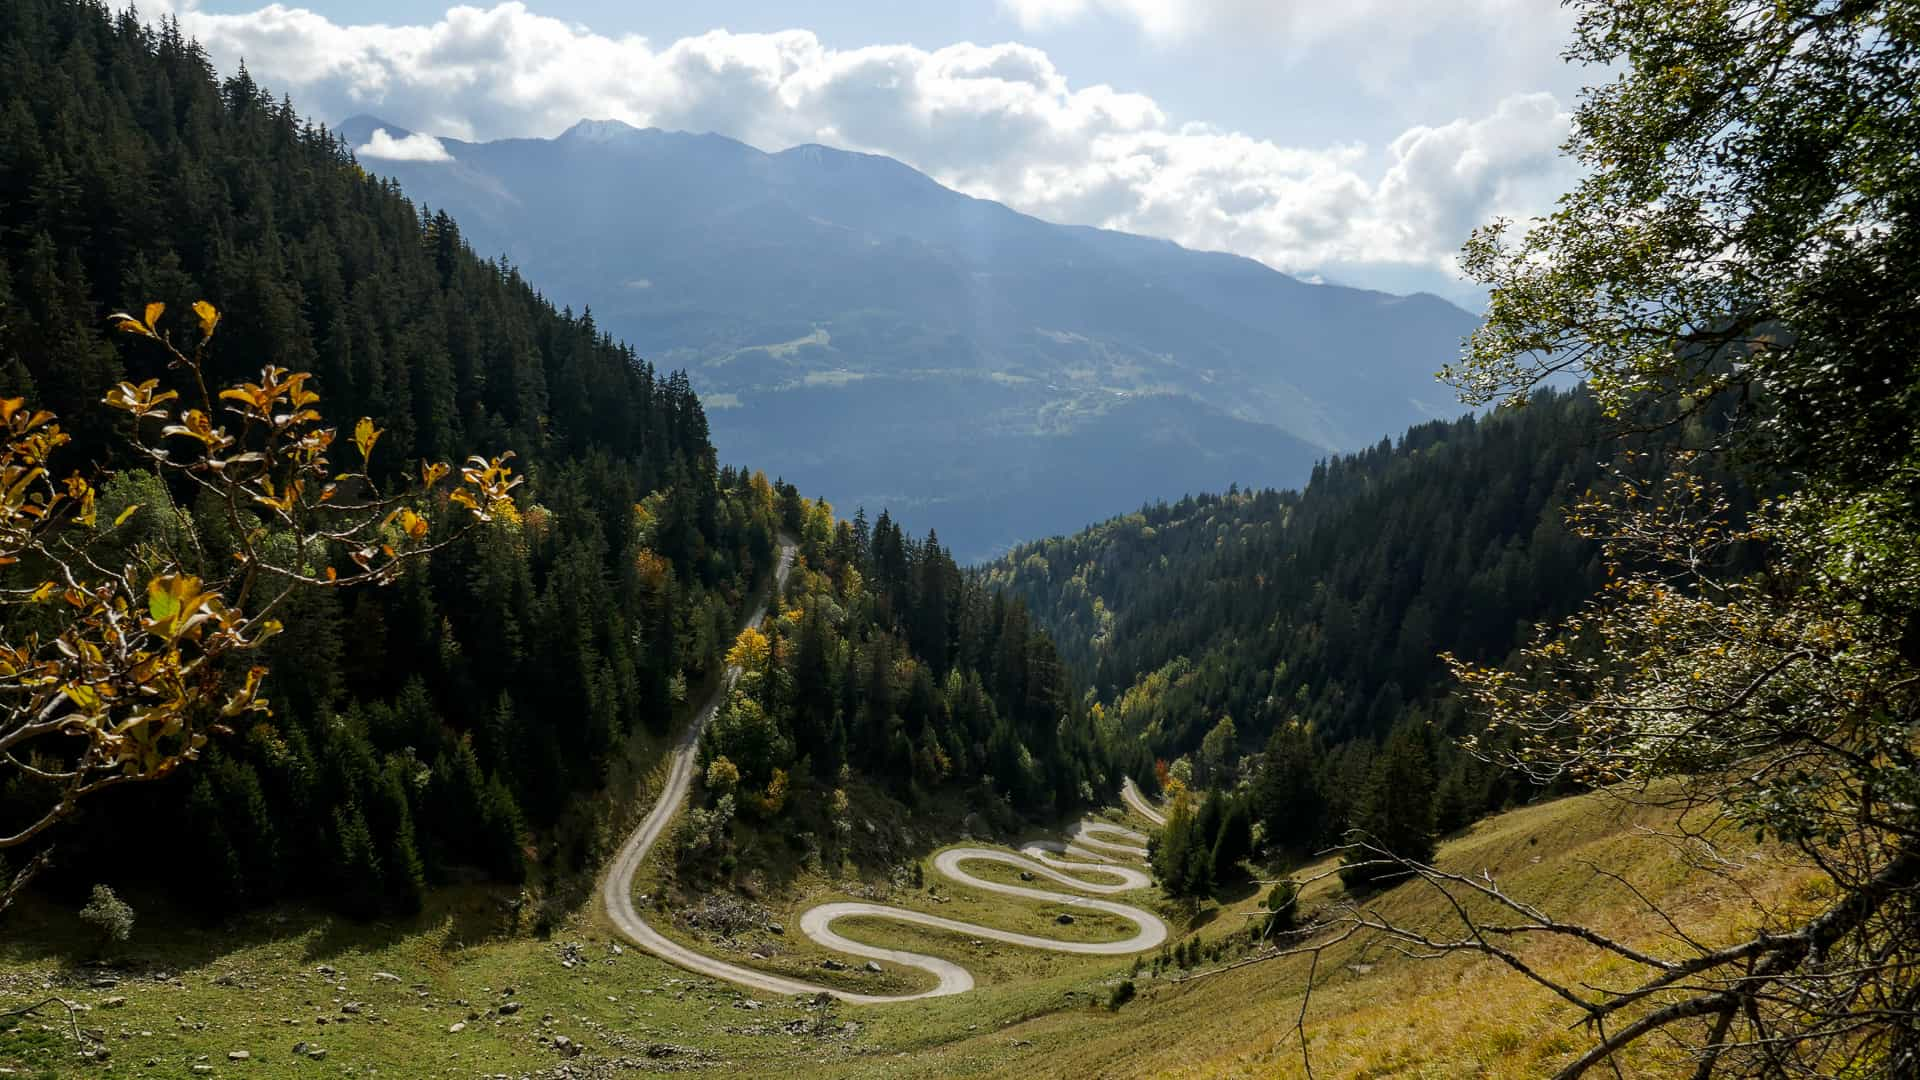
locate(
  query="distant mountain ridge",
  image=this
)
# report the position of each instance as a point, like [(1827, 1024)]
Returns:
[(870, 334)]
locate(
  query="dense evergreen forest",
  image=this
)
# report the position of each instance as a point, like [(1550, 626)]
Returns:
[(887, 661), (449, 724), (1292, 640)]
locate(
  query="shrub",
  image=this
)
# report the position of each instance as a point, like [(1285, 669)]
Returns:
[(1283, 904), (1121, 994), (108, 914)]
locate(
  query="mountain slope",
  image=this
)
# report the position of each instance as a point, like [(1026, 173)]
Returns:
[(488, 714), (821, 291)]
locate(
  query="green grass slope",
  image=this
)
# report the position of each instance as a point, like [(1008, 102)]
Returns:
[(453, 994)]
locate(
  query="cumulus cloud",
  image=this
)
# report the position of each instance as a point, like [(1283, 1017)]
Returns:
[(416, 147), (998, 121), (1297, 19)]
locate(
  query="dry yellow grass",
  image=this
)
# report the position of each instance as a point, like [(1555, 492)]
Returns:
[(1374, 1013)]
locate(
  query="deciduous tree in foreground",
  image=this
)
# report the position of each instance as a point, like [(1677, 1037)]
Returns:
[(1745, 240), (118, 660)]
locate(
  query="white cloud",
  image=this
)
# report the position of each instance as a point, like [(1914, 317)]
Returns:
[(1297, 22), (416, 147), (999, 121)]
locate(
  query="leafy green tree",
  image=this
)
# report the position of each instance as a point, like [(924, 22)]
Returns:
[(1745, 236)]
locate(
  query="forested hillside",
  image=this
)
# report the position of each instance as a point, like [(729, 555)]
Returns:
[(1298, 630), (888, 662), (448, 724)]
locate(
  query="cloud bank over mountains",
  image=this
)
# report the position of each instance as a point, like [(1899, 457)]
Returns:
[(998, 121)]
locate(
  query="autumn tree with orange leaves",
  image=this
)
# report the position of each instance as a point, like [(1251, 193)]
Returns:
[(118, 664)]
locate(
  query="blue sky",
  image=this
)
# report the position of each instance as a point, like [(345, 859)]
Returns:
[(1354, 140)]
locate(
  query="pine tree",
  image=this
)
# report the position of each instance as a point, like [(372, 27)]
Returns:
[(1396, 815)]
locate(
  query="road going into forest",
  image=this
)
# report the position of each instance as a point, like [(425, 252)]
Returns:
[(1132, 797), (1084, 841)]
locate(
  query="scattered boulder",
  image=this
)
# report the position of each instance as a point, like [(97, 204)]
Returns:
[(833, 965), (776, 928), (316, 1053), (385, 976), (1063, 919), (508, 1008), (1026, 875), (239, 1055), (565, 1045), (113, 1002), (458, 1027), (353, 1007), (874, 966)]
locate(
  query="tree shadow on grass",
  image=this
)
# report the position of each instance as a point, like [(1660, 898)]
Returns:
[(169, 938)]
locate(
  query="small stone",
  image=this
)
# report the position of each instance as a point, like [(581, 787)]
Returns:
[(776, 928), (113, 1002), (874, 966), (1063, 919), (326, 970), (318, 1053), (757, 955), (508, 1008), (299, 1048), (239, 1055), (203, 1068), (352, 1007), (385, 976), (833, 965), (458, 1027), (1026, 875)]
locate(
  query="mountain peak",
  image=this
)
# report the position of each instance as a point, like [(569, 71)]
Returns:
[(600, 130), (359, 129)]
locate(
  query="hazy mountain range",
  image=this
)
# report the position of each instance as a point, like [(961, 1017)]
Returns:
[(882, 340)]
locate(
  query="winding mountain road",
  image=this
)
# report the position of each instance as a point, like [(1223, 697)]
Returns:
[(1130, 794), (1037, 858)]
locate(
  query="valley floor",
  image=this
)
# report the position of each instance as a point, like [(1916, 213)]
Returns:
[(447, 997)]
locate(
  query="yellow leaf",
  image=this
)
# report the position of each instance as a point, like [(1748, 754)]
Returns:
[(364, 436), (162, 603), (82, 695), (154, 311), (412, 524), (332, 574), (130, 325), (209, 316)]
